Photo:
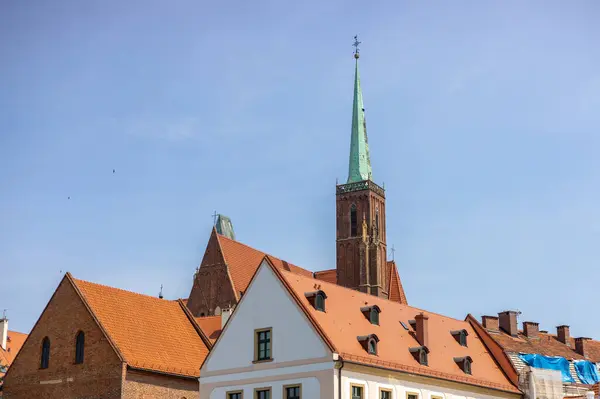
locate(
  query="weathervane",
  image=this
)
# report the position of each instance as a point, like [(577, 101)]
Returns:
[(355, 44)]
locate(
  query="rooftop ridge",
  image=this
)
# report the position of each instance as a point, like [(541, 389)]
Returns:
[(371, 297), (169, 301)]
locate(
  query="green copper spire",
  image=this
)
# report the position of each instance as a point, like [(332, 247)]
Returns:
[(360, 163)]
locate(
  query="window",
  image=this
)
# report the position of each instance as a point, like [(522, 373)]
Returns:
[(357, 392), (467, 367), (235, 395), (369, 343), (423, 357), (460, 336), (262, 393), (79, 344), (320, 302), (263, 345), (385, 394), (371, 313), (45, 360), (353, 223), (292, 392), (464, 363), (377, 221), (420, 354), (412, 395), (317, 299)]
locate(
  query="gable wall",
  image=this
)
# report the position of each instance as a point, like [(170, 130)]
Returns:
[(99, 375), (266, 304), (212, 286)]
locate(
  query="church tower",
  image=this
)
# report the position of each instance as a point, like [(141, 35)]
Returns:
[(361, 249)]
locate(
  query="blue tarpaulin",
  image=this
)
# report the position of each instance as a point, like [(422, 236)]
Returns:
[(549, 362), (586, 371)]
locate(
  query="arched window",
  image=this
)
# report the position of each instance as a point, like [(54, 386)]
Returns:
[(423, 357), (79, 346), (372, 346), (353, 221), (45, 360), (320, 302), (377, 221), (374, 316)]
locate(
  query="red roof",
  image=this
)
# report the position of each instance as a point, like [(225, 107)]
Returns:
[(211, 326)]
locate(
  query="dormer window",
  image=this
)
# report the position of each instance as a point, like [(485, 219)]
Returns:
[(420, 354), (371, 313), (317, 299), (369, 343), (460, 336), (464, 363)]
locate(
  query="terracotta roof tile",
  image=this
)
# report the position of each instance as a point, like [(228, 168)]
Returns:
[(151, 333), (343, 322), (546, 344), (329, 276), (211, 326), (14, 343), (396, 290), (243, 260)]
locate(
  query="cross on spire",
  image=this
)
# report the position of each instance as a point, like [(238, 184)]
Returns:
[(393, 252), (214, 215), (355, 44)]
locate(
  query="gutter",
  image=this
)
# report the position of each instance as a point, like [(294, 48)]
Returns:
[(340, 364)]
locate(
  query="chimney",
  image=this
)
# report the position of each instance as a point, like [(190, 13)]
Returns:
[(508, 322), (3, 331), (581, 346), (531, 329), (563, 334), (422, 329), (490, 322), (225, 313)]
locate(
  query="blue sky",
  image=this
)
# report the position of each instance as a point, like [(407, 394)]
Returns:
[(482, 117)]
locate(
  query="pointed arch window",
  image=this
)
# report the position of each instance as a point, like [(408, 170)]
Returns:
[(45, 360), (79, 347), (377, 221), (353, 221)]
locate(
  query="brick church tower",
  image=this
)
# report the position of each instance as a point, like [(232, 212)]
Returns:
[(360, 212)]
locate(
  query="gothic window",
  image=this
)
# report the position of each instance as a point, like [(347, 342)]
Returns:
[(377, 221), (45, 360), (79, 345)]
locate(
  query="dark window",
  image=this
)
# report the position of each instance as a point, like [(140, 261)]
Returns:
[(467, 368), (372, 347), (357, 392), (292, 392), (353, 223), (423, 357), (234, 395), (374, 316), (320, 302), (377, 221), (385, 395), (79, 345), (412, 396), (462, 338), (45, 361), (263, 394), (263, 339)]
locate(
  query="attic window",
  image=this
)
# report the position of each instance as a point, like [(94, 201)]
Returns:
[(369, 343), (460, 336), (371, 313), (316, 299), (464, 363), (420, 354)]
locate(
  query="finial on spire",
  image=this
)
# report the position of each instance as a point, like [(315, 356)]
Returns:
[(356, 49), (160, 294)]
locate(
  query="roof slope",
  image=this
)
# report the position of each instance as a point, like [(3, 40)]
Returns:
[(211, 326), (150, 333), (396, 291), (343, 322), (14, 342), (243, 261), (546, 344)]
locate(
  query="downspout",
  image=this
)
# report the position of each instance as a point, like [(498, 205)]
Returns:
[(340, 362)]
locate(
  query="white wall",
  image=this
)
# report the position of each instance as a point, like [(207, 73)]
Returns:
[(266, 303), (400, 388), (310, 388)]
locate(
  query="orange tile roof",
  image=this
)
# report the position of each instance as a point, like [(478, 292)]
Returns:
[(211, 326), (546, 344), (343, 322), (329, 276), (14, 343), (396, 290), (148, 332), (243, 260)]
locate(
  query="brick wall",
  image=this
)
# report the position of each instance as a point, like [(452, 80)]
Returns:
[(212, 286), (142, 385), (98, 376)]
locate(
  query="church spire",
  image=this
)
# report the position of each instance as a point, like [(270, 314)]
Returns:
[(360, 163)]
